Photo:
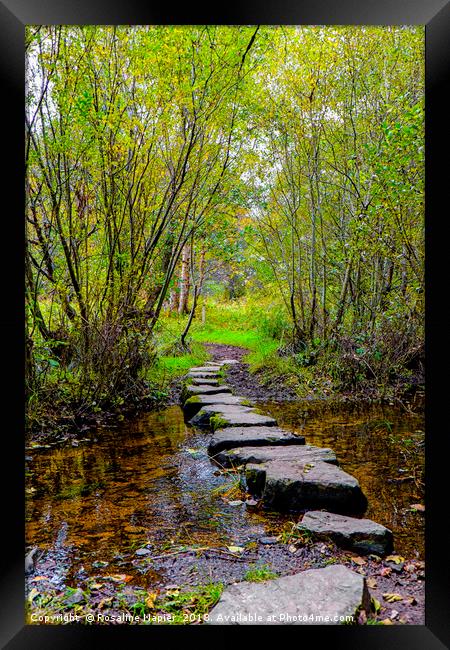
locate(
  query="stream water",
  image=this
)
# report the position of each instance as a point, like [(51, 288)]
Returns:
[(150, 481)]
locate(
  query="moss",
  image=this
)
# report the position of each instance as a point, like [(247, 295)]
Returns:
[(260, 573), (246, 402), (195, 399), (217, 422)]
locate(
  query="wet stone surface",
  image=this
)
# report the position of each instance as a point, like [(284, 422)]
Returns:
[(296, 485), (242, 455), (317, 597), (363, 536), (251, 436)]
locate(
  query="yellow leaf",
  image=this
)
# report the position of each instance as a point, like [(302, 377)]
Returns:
[(236, 549), (392, 598), (150, 600), (37, 578), (376, 605), (358, 560), (395, 558), (120, 577), (96, 585), (387, 621), (371, 583), (32, 595)]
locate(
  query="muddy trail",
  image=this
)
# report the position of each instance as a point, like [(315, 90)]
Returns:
[(140, 507)]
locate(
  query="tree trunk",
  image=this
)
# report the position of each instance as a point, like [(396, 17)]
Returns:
[(184, 281)]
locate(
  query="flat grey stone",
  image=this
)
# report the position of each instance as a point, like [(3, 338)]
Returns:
[(204, 381), (329, 596), (244, 455), (251, 436), (228, 362), (196, 402), (361, 535), (296, 485), (206, 369), (202, 375), (143, 551), (232, 416), (205, 390)]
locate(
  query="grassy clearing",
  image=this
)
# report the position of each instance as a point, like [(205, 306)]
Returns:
[(259, 327)]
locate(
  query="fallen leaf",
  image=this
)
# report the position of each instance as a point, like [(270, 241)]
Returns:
[(376, 605), (119, 577), (387, 621), (32, 595), (371, 583), (105, 601), (172, 592), (418, 507), (37, 578), (150, 600), (392, 598), (236, 549), (411, 600), (292, 549), (96, 585), (398, 559), (386, 571), (358, 560)]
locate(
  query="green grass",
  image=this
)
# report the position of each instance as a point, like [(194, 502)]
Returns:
[(168, 367), (191, 606), (258, 325), (260, 573), (175, 607)]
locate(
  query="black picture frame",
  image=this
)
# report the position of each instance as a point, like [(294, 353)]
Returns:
[(14, 15)]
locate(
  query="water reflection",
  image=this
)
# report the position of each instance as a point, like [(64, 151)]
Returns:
[(151, 481)]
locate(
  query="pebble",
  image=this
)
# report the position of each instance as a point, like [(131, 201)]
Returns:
[(142, 551), (268, 540)]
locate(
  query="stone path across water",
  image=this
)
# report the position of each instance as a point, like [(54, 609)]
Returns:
[(287, 475)]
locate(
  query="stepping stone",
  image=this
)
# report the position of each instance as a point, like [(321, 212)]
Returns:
[(361, 535), (196, 402), (228, 362), (330, 596), (202, 374), (198, 381), (244, 455), (231, 416), (190, 390), (251, 436), (213, 364), (296, 485), (206, 369)]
